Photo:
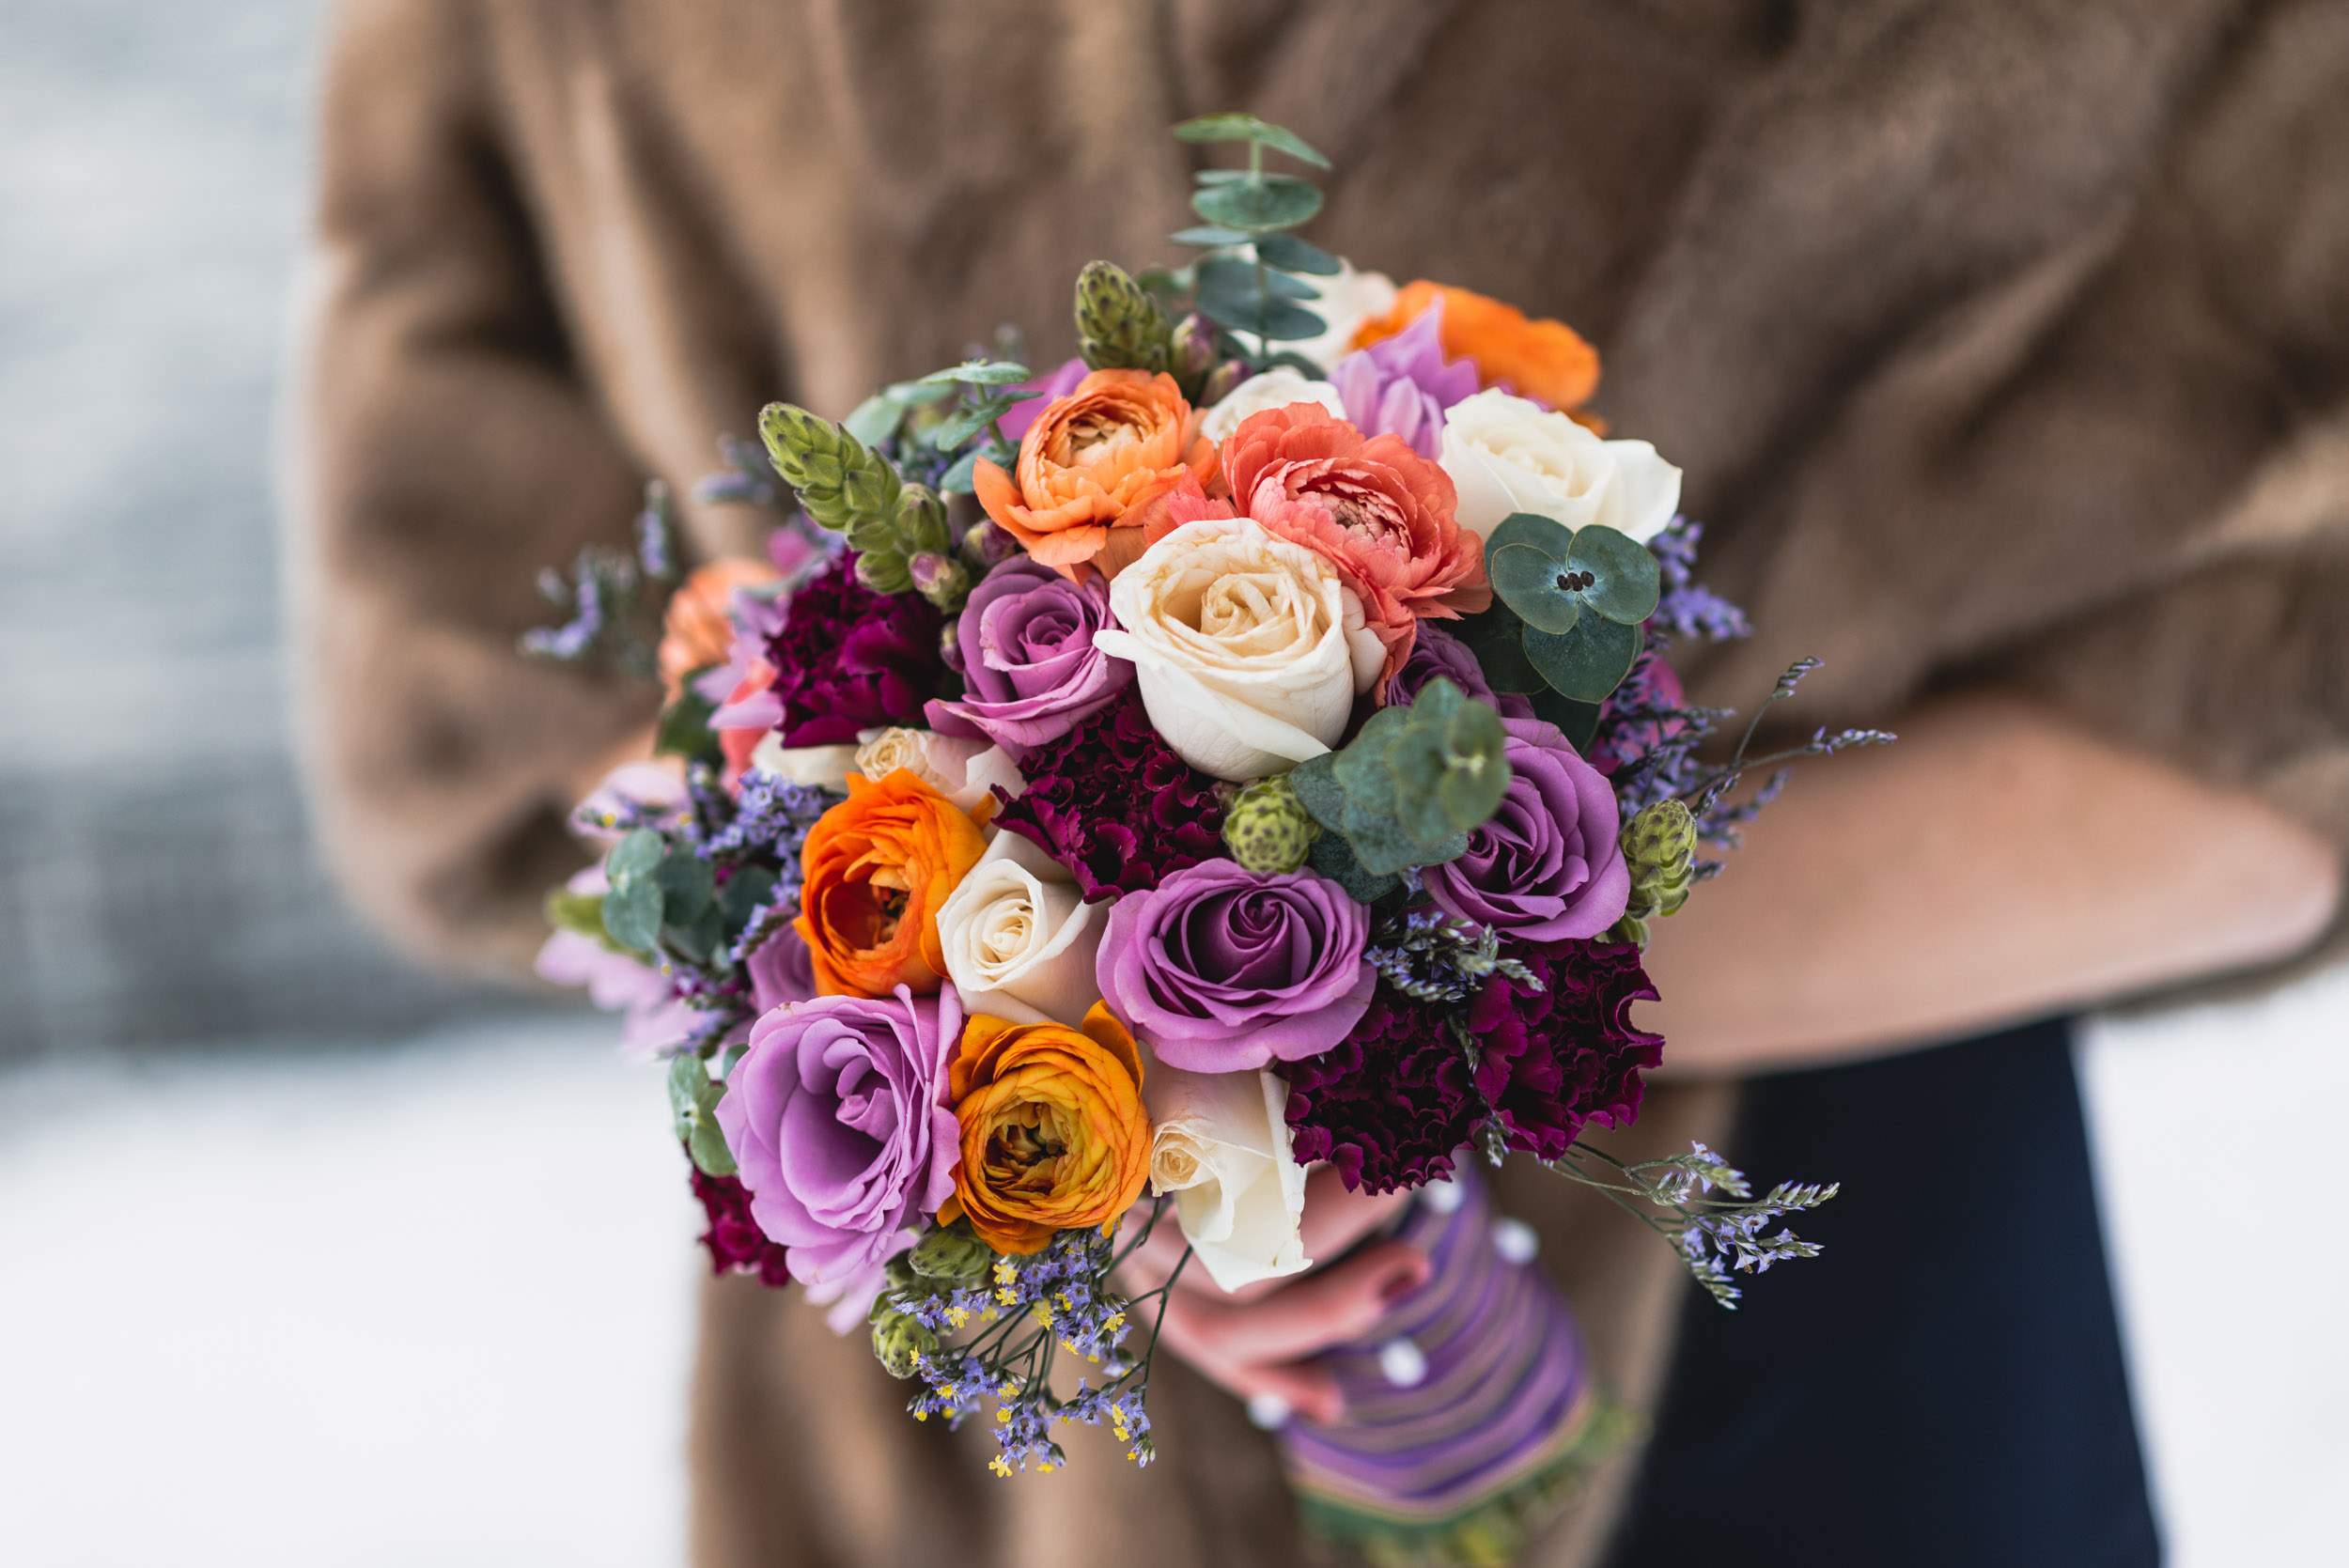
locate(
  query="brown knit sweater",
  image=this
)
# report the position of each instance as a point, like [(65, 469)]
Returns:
[(2004, 341)]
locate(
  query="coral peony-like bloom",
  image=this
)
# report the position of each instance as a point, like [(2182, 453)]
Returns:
[(697, 630), (877, 867), (1121, 438), (1548, 359), (1375, 509), (1054, 1136)]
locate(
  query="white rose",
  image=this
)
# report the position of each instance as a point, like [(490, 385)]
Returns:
[(1274, 389), (1019, 942), (1507, 455), (1347, 301), (1220, 1143), (963, 769), (1249, 650), (811, 767)]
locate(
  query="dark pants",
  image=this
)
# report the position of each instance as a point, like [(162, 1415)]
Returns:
[(1943, 1386)]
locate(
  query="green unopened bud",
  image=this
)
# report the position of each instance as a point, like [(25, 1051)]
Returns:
[(922, 521), (951, 1252), (1267, 829), (900, 1340), (941, 579), (839, 479), (1660, 846), (986, 546), (1220, 381), (1119, 326), (884, 571)]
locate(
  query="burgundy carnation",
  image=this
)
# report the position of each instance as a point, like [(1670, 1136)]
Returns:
[(1393, 1101), (1114, 803), (737, 1245), (1567, 1054), (850, 660)]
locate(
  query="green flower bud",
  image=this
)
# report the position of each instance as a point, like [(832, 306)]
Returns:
[(941, 579), (1190, 353), (986, 546), (922, 521), (1119, 326), (1220, 381), (884, 571), (900, 1341), (1660, 846), (951, 1252), (1267, 829), (839, 480)]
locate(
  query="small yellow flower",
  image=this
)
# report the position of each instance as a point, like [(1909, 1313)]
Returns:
[(998, 1465), (955, 1318), (1044, 1468), (1004, 1416)]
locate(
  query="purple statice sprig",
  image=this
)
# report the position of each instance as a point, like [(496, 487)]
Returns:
[(1688, 608), (1715, 1236), (613, 600), (1016, 1319), (1432, 957)]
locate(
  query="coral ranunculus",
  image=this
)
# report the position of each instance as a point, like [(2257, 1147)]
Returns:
[(1054, 1136), (1121, 438), (1542, 359), (877, 867), (698, 631), (1377, 510)]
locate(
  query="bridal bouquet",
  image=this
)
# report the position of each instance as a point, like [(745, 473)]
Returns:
[(1244, 747)]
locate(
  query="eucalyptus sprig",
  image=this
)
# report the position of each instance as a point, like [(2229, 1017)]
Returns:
[(1254, 278)]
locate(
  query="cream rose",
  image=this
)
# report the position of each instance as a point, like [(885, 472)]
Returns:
[(1249, 649), (811, 767), (1220, 1143), (1274, 389), (1347, 301), (1507, 455), (1019, 942), (965, 770)]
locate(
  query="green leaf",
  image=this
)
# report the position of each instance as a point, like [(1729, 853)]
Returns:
[(1548, 535), (694, 1097), (631, 913), (966, 422), (1578, 720), (1237, 127), (978, 372), (1628, 579), (1281, 321), (581, 912), (1319, 792), (1334, 857), (634, 856), (957, 480), (1209, 235), (1292, 255), (1234, 278), (745, 892), (684, 730), (687, 887), (876, 419), (1273, 202), (697, 939), (1527, 581), (1587, 662), (1495, 636)]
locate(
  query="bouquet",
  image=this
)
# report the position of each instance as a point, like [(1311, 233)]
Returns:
[(1245, 747)]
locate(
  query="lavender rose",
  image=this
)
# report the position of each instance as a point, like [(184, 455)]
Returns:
[(1437, 652), (781, 969), (1028, 660), (1547, 866), (836, 1117), (1220, 970)]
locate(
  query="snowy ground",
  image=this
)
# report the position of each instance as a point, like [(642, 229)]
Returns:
[(431, 1304)]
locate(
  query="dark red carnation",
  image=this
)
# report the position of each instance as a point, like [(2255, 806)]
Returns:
[(1114, 803), (737, 1245), (1393, 1101), (850, 660)]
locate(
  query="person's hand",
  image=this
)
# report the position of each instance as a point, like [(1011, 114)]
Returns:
[(1254, 1342)]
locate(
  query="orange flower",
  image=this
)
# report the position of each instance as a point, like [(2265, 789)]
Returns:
[(1054, 1134), (698, 631), (1548, 359), (877, 867), (1121, 438)]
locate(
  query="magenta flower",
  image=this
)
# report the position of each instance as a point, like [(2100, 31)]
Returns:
[(847, 659), (1219, 969), (1113, 803), (836, 1117), (1029, 664)]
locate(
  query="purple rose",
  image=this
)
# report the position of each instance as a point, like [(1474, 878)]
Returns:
[(1029, 664), (1220, 970), (836, 1118), (1547, 866), (1437, 652), (781, 969)]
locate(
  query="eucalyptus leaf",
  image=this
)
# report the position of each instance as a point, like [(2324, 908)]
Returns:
[(1627, 580), (634, 856), (1318, 791), (1278, 321), (1258, 205), (631, 913), (1588, 662), (1292, 255), (958, 480), (746, 892), (1208, 234), (978, 372), (1528, 582), (1237, 127), (874, 420), (697, 939), (1577, 722), (1231, 276), (968, 421), (706, 1146), (1546, 534), (1495, 637), (1332, 856), (687, 887)]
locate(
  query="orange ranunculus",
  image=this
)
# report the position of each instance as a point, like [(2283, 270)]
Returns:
[(1121, 438), (1054, 1134), (877, 867), (698, 630), (1548, 359)]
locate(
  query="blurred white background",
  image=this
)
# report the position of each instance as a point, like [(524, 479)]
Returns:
[(304, 1259)]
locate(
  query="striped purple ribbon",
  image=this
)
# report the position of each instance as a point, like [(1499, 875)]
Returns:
[(1503, 1387)]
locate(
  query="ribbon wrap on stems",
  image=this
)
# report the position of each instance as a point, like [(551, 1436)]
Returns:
[(1471, 1409)]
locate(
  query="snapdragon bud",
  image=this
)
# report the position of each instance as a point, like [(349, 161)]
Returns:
[(941, 579), (951, 1252)]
